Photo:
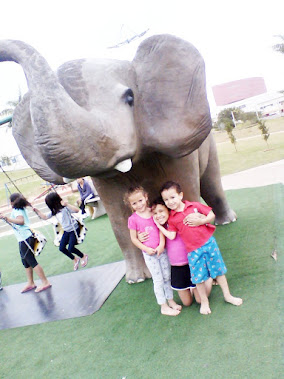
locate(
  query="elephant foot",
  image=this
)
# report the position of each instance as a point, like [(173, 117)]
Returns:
[(137, 275), (139, 280), (226, 218)]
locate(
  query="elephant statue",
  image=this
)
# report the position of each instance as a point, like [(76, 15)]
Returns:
[(121, 123)]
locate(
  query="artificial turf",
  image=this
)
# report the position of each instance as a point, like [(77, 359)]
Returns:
[(129, 338)]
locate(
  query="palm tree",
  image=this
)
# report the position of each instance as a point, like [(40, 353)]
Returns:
[(11, 105), (279, 46)]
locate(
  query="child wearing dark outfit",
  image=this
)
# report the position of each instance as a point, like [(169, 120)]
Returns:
[(20, 220), (62, 211)]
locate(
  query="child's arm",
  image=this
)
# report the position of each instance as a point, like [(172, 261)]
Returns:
[(40, 214), (167, 233), (162, 243), (137, 243), (19, 220), (196, 219), (71, 207)]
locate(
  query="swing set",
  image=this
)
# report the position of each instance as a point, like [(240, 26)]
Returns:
[(40, 239)]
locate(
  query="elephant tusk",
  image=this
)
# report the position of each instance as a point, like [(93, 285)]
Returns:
[(124, 166), (68, 180)]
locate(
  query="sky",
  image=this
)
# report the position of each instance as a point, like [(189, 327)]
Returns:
[(235, 38)]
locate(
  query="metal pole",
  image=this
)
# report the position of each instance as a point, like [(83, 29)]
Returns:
[(5, 120)]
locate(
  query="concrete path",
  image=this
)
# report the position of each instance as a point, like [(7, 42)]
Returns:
[(255, 177)]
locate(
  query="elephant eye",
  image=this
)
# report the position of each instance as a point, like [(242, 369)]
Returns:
[(128, 97)]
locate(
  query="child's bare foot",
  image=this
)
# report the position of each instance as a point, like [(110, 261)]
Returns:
[(28, 287), (204, 308), (168, 311), (174, 305), (234, 300)]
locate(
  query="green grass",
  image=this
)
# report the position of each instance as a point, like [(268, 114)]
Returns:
[(129, 338), (27, 181), (250, 153)]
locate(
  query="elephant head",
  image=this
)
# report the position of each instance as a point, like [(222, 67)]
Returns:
[(93, 117), (148, 118)]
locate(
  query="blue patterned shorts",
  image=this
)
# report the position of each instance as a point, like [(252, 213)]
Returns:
[(206, 262)]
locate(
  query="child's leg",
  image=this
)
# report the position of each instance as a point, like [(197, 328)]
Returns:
[(63, 243), (153, 265), (208, 287), (39, 270), (28, 260), (185, 297), (30, 280), (204, 308), (222, 281), (166, 272)]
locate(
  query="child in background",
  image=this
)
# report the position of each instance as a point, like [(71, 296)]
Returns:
[(62, 211), (153, 250), (204, 257), (19, 218)]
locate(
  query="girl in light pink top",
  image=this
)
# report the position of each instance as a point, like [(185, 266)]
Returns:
[(153, 249)]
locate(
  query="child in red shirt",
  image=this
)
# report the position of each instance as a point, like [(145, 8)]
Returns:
[(205, 259)]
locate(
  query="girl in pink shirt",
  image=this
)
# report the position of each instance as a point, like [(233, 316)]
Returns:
[(153, 249), (177, 253)]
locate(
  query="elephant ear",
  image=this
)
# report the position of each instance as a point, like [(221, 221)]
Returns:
[(171, 107), (24, 135)]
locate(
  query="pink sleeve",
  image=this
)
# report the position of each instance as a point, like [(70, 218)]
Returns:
[(132, 223)]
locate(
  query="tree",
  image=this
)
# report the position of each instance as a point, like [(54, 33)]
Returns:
[(5, 161), (279, 46), (11, 105), (264, 130), (225, 121)]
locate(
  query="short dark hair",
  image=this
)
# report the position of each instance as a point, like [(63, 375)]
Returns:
[(170, 184), (158, 201)]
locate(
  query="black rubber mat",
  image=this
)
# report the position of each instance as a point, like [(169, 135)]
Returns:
[(74, 294)]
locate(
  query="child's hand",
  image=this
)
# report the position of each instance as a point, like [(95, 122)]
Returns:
[(159, 250), (150, 251), (194, 219), (64, 203), (143, 236)]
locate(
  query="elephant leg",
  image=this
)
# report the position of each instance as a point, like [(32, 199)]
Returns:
[(210, 183), (111, 192)]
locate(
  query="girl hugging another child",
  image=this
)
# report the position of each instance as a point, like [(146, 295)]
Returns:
[(153, 249)]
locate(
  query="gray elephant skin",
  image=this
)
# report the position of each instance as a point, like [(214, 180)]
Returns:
[(99, 117)]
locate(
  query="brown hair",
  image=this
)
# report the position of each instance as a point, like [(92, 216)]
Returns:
[(19, 201), (131, 191), (158, 201), (171, 184)]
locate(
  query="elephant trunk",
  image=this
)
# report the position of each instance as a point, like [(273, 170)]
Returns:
[(59, 123)]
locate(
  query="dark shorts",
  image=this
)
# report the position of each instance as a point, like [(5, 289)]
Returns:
[(28, 258), (180, 278)]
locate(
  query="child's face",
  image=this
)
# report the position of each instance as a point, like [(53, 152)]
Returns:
[(172, 199), (138, 202), (160, 214)]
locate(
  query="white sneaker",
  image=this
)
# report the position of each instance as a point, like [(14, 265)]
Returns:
[(84, 215)]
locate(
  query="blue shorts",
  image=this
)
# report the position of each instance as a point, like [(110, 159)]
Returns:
[(206, 262)]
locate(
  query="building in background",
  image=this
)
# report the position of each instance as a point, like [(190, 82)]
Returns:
[(231, 92), (250, 95)]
